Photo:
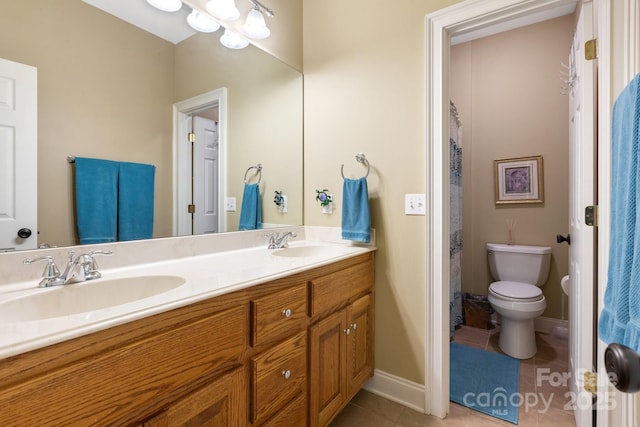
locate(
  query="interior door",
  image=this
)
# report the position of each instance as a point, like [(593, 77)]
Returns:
[(205, 176), (18, 156), (581, 194)]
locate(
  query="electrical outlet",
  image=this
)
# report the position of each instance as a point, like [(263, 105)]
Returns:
[(283, 206), (230, 204), (414, 204)]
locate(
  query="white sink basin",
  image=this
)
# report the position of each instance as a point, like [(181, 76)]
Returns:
[(85, 297), (308, 251)]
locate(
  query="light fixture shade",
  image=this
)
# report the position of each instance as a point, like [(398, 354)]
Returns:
[(224, 9), (166, 5), (201, 22), (233, 41), (254, 26)]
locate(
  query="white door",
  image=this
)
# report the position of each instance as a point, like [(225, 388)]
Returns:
[(581, 195), (18, 156), (205, 176)]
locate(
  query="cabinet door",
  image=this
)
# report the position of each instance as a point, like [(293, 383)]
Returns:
[(221, 403), (359, 343), (327, 373)]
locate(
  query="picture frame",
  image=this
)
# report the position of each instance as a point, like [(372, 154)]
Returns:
[(519, 180)]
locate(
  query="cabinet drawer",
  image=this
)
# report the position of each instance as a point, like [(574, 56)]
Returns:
[(278, 374), (292, 415), (279, 315), (331, 292)]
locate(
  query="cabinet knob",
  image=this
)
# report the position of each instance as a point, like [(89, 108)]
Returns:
[(286, 374), (354, 326), (347, 331), (287, 312)]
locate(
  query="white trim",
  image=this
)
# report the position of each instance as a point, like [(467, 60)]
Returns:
[(396, 389), (460, 18), (545, 325), (181, 156)]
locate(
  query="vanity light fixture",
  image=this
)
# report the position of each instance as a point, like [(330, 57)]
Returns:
[(233, 41), (166, 5), (255, 26), (223, 9), (201, 22)]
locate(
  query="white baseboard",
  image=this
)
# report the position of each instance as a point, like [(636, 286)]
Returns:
[(396, 389), (546, 324)]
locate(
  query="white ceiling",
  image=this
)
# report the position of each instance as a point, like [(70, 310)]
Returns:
[(171, 26)]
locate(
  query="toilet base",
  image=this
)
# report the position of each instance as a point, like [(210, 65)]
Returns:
[(518, 338)]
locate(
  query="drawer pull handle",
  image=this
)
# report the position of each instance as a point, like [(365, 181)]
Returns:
[(287, 312), (286, 374), (347, 331)]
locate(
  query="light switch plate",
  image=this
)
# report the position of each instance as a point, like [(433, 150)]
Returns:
[(230, 204), (414, 204)]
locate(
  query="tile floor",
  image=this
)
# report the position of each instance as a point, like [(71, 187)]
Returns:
[(539, 378)]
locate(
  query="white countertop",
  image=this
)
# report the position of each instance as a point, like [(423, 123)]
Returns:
[(206, 276)]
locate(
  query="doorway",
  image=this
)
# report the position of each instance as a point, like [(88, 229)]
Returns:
[(199, 173), (458, 20)]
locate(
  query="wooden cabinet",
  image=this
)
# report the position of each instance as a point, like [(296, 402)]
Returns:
[(219, 404), (286, 353), (340, 343)]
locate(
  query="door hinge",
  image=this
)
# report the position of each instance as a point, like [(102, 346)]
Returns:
[(590, 382), (192, 136), (191, 209), (591, 216), (591, 49)]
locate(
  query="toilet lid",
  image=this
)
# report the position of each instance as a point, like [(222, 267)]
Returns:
[(516, 290)]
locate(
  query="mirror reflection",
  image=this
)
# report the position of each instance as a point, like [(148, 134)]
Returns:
[(107, 89)]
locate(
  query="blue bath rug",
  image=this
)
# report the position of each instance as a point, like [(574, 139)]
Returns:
[(486, 382)]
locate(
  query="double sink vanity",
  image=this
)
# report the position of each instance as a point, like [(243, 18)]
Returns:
[(176, 333)]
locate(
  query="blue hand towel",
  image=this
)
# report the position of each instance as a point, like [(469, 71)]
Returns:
[(135, 201), (620, 318), (250, 212), (356, 220), (96, 200)]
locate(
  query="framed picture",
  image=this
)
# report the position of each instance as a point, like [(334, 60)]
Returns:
[(519, 180)]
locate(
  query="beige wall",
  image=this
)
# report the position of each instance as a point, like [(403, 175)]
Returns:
[(365, 92), (105, 88), (507, 90)]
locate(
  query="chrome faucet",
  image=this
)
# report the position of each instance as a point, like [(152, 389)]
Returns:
[(278, 241), (82, 267)]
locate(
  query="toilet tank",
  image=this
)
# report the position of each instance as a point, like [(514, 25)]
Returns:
[(519, 263)]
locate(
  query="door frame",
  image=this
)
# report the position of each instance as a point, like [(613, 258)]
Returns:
[(612, 77), (464, 17), (182, 112)]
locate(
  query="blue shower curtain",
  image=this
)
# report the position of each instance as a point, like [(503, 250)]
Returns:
[(455, 220)]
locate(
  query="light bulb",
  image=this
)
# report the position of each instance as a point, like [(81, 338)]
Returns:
[(166, 5), (233, 41), (224, 9), (255, 26), (201, 22)]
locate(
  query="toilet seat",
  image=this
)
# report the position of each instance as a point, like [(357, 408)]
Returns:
[(515, 291)]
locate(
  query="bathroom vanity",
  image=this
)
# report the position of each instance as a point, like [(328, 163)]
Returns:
[(287, 350)]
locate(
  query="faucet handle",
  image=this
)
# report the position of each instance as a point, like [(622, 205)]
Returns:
[(92, 267), (51, 274)]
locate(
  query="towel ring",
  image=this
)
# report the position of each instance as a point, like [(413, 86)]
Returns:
[(360, 158), (258, 169)]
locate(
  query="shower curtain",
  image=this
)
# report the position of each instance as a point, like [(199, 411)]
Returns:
[(455, 220)]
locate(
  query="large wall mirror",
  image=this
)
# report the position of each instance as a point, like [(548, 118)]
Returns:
[(106, 89)]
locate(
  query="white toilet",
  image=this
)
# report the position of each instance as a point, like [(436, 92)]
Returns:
[(520, 271)]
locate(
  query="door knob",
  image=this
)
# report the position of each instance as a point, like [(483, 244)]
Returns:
[(24, 233), (560, 238), (623, 367)]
